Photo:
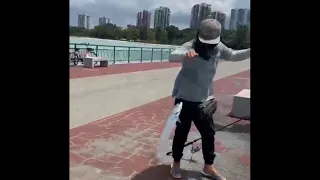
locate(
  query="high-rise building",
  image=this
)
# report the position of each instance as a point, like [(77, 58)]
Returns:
[(233, 20), (199, 12), (248, 18), (219, 16), (194, 16), (104, 20), (88, 22), (162, 18), (130, 26), (243, 17), (144, 19), (239, 17), (84, 21), (139, 19)]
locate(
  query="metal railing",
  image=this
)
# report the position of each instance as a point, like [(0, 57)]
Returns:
[(125, 54)]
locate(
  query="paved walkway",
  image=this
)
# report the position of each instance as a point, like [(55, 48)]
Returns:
[(122, 146), (96, 97), (80, 72)]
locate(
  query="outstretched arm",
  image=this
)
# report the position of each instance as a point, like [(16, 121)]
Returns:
[(229, 54), (179, 54)]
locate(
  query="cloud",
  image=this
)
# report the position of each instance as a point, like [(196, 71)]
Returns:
[(123, 12)]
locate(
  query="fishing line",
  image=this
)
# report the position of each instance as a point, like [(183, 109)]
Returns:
[(191, 142)]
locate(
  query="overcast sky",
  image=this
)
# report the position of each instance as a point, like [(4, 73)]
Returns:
[(123, 12)]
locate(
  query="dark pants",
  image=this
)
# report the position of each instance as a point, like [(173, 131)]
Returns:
[(191, 112)]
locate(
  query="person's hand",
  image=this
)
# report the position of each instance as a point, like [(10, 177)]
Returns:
[(191, 53)]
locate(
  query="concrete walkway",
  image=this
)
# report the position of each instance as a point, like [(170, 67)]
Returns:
[(122, 147), (96, 97), (116, 121)]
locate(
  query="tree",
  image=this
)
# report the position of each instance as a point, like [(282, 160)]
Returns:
[(227, 37), (143, 31), (240, 37), (151, 35), (171, 35), (159, 34), (78, 31), (173, 32), (133, 34)]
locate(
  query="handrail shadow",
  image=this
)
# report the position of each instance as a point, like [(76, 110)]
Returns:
[(235, 128)]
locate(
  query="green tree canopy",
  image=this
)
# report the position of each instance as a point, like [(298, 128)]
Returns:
[(236, 39)]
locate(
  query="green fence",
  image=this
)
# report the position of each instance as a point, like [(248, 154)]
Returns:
[(124, 54)]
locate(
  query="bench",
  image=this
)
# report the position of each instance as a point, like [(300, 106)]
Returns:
[(241, 104), (89, 62)]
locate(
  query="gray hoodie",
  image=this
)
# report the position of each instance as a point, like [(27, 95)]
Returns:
[(194, 81)]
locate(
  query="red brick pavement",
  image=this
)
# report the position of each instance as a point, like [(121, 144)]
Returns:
[(80, 72), (124, 144)]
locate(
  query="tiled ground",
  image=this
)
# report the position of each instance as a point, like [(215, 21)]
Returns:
[(80, 72), (123, 146)]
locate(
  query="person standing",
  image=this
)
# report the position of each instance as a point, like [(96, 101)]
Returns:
[(193, 87)]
